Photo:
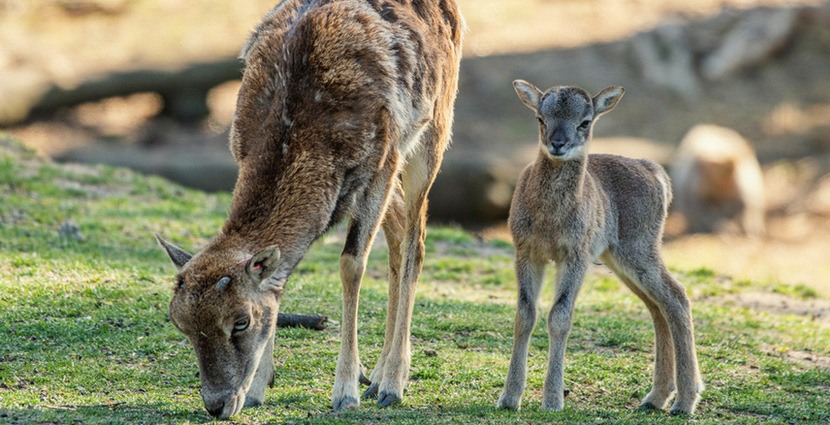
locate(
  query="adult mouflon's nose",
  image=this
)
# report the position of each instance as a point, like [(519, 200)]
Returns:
[(215, 408)]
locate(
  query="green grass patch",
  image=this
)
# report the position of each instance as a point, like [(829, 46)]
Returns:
[(85, 335)]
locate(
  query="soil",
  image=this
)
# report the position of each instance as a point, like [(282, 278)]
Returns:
[(783, 107)]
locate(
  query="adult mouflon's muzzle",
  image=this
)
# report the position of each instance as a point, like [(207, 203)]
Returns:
[(223, 404)]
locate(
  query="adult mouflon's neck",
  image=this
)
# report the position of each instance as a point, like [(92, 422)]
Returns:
[(289, 205)]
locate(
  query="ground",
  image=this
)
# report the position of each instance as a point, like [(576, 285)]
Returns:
[(86, 337)]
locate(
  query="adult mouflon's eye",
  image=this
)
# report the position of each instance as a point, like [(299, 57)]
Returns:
[(241, 325), (541, 121)]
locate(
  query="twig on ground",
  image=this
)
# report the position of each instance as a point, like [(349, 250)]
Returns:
[(312, 321)]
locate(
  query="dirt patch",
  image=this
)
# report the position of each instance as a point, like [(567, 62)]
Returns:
[(817, 309), (806, 359), (785, 258)]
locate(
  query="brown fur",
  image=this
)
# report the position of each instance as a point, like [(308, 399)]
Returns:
[(344, 111), (573, 208)]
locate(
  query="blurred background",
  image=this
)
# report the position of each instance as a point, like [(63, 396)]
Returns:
[(151, 85)]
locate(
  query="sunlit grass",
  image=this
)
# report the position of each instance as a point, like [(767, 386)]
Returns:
[(86, 335)]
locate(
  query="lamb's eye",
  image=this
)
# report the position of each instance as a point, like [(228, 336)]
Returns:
[(585, 124), (241, 325)]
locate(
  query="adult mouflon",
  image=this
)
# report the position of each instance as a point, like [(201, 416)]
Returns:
[(574, 208), (344, 111)]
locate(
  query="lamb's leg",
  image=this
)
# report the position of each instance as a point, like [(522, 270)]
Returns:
[(663, 384), (362, 229), (529, 275), (569, 276), (663, 381), (670, 296)]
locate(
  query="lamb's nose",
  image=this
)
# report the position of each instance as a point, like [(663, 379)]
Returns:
[(558, 138)]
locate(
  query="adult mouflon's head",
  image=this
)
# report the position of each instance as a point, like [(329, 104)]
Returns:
[(226, 303), (566, 115)]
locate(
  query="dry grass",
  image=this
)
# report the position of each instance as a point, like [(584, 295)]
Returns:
[(502, 26), (63, 40)]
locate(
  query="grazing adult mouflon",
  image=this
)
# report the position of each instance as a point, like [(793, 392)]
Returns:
[(344, 110), (574, 208)]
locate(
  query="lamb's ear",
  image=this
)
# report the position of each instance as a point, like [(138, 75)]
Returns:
[(263, 264), (607, 99), (528, 93), (178, 256)]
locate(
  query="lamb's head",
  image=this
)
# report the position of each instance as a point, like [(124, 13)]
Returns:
[(566, 116), (227, 307)]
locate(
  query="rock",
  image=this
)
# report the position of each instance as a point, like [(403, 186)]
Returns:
[(718, 184), (818, 202)]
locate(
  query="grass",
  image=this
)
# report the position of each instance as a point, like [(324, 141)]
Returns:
[(85, 335)]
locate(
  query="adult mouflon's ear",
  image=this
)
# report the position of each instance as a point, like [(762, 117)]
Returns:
[(263, 264), (528, 93), (178, 256), (607, 99)]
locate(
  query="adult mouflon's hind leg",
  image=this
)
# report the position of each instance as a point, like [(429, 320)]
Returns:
[(529, 276), (417, 177), (393, 226), (362, 229)]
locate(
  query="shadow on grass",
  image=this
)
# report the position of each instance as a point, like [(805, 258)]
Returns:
[(110, 413)]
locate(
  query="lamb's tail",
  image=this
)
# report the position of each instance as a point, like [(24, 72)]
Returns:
[(664, 181)]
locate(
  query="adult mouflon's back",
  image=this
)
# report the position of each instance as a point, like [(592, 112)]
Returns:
[(344, 110)]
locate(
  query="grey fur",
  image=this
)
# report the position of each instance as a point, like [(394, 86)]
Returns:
[(573, 208)]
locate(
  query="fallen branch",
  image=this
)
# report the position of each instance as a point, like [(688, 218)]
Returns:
[(313, 321), (183, 87)]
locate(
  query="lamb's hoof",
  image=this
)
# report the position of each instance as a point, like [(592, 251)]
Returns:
[(345, 403), (508, 405), (386, 399), (371, 392), (676, 411), (648, 407), (553, 407)]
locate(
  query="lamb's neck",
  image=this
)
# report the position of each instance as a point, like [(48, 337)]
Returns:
[(564, 179)]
